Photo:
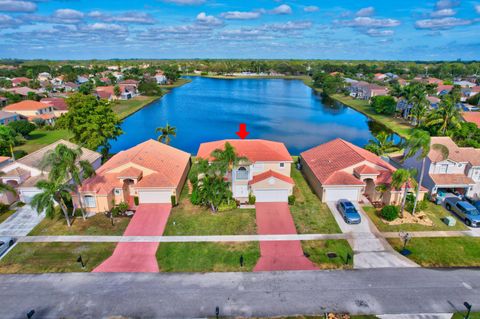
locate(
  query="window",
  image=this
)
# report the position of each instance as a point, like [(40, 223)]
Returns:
[(282, 165), (117, 191), (90, 201), (443, 169)]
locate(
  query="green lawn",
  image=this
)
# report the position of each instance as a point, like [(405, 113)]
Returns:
[(40, 138), (442, 252), (54, 257), (5, 215), (435, 212), (98, 224), (207, 257), (309, 213), (197, 220), (317, 252), (398, 126), (178, 83), (461, 315), (125, 108)]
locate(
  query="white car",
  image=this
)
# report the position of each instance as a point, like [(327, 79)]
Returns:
[(5, 243)]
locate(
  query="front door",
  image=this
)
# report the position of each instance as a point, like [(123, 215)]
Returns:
[(241, 191)]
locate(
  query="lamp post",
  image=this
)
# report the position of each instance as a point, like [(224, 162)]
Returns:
[(469, 308)]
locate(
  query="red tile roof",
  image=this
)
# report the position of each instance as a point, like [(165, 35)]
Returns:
[(366, 170), (268, 174), (455, 153), (342, 178), (163, 166), (20, 80), (26, 105), (452, 179), (472, 117), (57, 103), (254, 150)]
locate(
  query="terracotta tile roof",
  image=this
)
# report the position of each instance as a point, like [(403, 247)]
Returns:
[(47, 116), (268, 174), (452, 179), (130, 172), (455, 153), (472, 117), (26, 105), (254, 150), (366, 170), (342, 178), (4, 159), (161, 165), (22, 90), (20, 80), (441, 88), (57, 103), (336, 155)]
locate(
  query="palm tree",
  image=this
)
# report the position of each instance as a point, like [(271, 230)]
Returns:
[(446, 115), (418, 143), (166, 132), (403, 177), (53, 193), (420, 107), (226, 159), (382, 144), (65, 165)]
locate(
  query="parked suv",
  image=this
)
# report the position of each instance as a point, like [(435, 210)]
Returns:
[(464, 210), (348, 212), (5, 243)]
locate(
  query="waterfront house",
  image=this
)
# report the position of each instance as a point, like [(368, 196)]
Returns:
[(24, 173), (33, 110), (365, 91), (149, 173), (457, 170), (265, 173), (161, 78), (340, 170)]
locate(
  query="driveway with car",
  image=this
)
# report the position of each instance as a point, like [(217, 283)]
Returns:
[(21, 222), (370, 249), (149, 220), (275, 218)]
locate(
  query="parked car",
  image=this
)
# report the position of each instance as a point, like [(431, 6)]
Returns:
[(5, 243), (466, 211), (348, 212)]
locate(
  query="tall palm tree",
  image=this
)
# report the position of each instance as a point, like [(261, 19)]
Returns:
[(166, 133), (382, 144), (65, 165), (403, 177), (227, 158), (52, 193), (447, 115), (419, 144), (420, 107)]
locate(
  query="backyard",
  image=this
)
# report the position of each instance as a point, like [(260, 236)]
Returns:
[(41, 137), (436, 213), (54, 257), (125, 108), (309, 213), (207, 257)]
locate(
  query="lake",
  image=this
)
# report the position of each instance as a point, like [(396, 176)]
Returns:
[(274, 109)]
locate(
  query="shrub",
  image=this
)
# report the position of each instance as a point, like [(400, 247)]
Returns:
[(390, 212), (22, 127), (194, 198), (4, 208), (122, 207), (384, 104), (421, 205), (39, 122), (136, 201), (291, 199), (173, 200), (251, 199), (225, 206)]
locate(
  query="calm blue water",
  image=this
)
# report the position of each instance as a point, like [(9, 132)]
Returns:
[(280, 110)]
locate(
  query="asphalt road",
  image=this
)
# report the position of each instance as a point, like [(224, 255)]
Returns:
[(376, 291)]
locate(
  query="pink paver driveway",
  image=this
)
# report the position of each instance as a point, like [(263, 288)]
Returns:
[(149, 220), (272, 219)]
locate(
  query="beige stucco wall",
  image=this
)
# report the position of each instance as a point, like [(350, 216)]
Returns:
[(274, 166), (311, 179), (278, 184)]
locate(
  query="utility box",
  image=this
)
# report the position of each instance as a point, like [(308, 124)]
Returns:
[(450, 221)]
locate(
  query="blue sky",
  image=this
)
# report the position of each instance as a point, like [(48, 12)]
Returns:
[(342, 29)]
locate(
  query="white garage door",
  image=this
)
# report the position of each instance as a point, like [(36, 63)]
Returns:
[(27, 195), (270, 195), (334, 194), (154, 197)]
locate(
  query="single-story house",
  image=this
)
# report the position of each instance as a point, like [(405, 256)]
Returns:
[(265, 174), (340, 170), (151, 172), (32, 110), (19, 81), (7, 117), (24, 173)]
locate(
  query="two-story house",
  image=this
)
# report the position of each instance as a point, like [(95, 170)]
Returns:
[(32, 110), (450, 168), (365, 91), (7, 117), (265, 174)]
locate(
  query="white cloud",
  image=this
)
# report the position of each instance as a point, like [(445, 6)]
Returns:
[(368, 22), (311, 9), (127, 17), (477, 8), (101, 27), (446, 4), (205, 19), (447, 12), (7, 21), (365, 12), (282, 9), (17, 6), (442, 24), (186, 2), (68, 14), (241, 15), (379, 33)]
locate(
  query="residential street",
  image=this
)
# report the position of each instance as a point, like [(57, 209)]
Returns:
[(379, 291)]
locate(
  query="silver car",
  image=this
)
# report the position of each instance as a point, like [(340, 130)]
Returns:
[(5, 243)]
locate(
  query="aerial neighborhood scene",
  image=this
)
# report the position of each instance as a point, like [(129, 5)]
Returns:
[(251, 159)]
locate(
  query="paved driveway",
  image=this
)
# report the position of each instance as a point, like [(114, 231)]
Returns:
[(370, 249), (275, 218), (21, 222), (149, 220)]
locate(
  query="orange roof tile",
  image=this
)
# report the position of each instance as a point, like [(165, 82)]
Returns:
[(452, 179), (268, 174), (342, 178), (472, 117), (366, 170), (26, 105), (254, 150), (455, 153)]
